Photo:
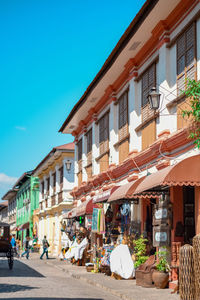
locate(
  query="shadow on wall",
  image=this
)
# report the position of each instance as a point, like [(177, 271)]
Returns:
[(19, 270), (12, 288)]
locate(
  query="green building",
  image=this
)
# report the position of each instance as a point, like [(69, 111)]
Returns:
[(27, 201)]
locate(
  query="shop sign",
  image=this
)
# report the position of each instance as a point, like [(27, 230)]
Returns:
[(162, 215), (101, 196), (161, 236)]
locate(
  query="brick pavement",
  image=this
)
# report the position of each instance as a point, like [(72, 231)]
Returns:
[(125, 289), (55, 279), (35, 280)]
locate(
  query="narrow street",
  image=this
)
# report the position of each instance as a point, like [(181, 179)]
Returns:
[(34, 279)]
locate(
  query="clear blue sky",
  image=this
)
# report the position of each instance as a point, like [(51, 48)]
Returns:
[(50, 52)]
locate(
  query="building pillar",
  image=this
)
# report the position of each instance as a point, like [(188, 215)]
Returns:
[(84, 157), (113, 124), (95, 149)]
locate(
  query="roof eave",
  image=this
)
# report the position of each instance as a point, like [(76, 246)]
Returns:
[(130, 31)]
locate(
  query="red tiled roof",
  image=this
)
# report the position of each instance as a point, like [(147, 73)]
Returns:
[(4, 204), (67, 147)]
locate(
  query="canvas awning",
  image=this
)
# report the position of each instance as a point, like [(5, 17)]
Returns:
[(125, 191), (185, 173), (25, 226), (70, 214), (86, 208), (104, 196)]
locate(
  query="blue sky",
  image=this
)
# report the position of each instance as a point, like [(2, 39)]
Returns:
[(50, 52)]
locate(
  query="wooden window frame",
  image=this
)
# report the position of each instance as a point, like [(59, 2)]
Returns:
[(104, 130), (149, 86), (48, 185), (42, 188), (54, 182), (184, 54), (61, 175), (80, 149), (123, 110), (89, 140)]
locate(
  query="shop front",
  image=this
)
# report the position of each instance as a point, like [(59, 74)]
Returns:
[(171, 206)]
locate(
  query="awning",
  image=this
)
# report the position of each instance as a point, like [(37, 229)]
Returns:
[(125, 191), (25, 226), (85, 209), (2, 224), (185, 173), (70, 214), (101, 197)]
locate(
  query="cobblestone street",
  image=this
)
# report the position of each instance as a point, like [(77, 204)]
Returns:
[(34, 279)]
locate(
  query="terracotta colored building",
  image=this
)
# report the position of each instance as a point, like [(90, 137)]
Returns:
[(120, 139)]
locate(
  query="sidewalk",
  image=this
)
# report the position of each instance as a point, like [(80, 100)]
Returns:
[(125, 289)]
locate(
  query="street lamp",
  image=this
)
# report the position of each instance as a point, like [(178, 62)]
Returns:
[(68, 165), (154, 99)]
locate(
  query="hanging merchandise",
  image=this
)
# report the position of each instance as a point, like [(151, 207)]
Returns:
[(125, 212), (95, 220), (102, 222), (99, 219), (125, 209)]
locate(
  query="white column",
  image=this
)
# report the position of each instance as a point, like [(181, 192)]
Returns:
[(113, 128), (76, 165), (50, 183), (95, 148), (134, 101), (166, 76), (84, 158), (57, 179)]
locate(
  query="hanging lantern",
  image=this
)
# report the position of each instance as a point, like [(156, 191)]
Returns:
[(154, 99)]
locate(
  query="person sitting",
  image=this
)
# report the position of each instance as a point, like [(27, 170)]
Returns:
[(121, 263)]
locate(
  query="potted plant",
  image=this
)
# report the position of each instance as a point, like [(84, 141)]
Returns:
[(160, 275), (140, 251), (143, 264)]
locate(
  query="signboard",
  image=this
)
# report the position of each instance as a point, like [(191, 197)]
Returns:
[(95, 220), (101, 196), (161, 236), (162, 215)]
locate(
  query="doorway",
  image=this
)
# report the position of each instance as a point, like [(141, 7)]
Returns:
[(189, 213)]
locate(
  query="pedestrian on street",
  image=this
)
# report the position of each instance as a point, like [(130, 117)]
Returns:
[(26, 247), (45, 247)]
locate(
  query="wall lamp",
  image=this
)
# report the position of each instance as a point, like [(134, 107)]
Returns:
[(68, 165), (154, 99)]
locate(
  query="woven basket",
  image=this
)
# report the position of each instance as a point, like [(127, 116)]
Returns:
[(196, 255), (186, 274), (90, 268)]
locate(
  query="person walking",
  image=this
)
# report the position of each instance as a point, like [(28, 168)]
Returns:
[(45, 247), (26, 247)]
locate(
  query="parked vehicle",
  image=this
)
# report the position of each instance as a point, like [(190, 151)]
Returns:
[(5, 245)]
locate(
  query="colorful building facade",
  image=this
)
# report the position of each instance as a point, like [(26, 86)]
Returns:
[(56, 180), (27, 200), (10, 196)]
